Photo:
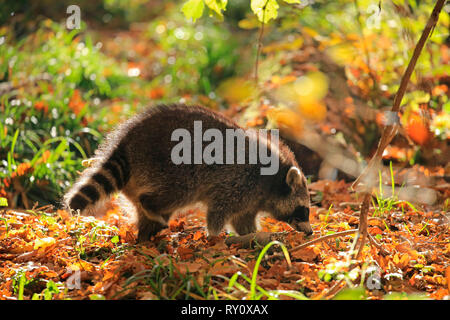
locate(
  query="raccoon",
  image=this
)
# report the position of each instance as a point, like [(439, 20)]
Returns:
[(135, 159)]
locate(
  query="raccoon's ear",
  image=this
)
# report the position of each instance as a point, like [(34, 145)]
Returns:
[(294, 177)]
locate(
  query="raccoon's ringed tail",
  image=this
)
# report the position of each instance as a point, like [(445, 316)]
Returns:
[(96, 184)]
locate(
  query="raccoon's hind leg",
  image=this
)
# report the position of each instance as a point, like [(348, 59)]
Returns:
[(244, 223), (215, 219)]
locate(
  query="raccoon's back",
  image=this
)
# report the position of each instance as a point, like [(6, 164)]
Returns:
[(139, 147), (148, 145), (147, 137), (140, 150)]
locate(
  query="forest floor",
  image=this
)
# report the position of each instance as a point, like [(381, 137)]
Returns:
[(52, 255)]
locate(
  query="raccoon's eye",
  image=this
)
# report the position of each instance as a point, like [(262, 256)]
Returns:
[(301, 213)]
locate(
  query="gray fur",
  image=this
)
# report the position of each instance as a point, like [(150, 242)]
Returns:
[(135, 159)]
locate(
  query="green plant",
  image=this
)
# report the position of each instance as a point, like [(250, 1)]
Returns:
[(192, 58), (265, 10), (166, 282), (356, 293), (405, 296), (50, 290), (3, 202), (19, 282), (385, 205), (339, 271), (47, 123), (254, 287)]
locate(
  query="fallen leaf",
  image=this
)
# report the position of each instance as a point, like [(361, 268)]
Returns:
[(307, 254), (185, 253), (189, 267)]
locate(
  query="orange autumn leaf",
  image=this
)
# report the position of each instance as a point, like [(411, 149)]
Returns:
[(46, 155), (439, 90), (185, 253), (41, 105), (440, 294), (279, 81), (417, 130), (22, 169), (63, 214), (375, 230), (82, 266), (116, 108), (254, 122), (177, 224), (198, 235), (313, 110), (157, 93), (287, 119), (401, 260), (76, 103), (307, 254), (6, 182)]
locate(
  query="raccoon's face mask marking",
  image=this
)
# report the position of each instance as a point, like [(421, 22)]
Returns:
[(299, 220)]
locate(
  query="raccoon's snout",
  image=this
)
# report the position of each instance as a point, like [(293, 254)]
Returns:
[(300, 220), (302, 227)]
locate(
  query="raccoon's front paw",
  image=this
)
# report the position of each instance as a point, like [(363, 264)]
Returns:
[(244, 224)]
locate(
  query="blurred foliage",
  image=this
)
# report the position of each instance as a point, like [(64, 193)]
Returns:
[(57, 80), (24, 16), (192, 58), (61, 90), (371, 43)]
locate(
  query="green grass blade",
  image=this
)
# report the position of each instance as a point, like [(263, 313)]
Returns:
[(258, 262)]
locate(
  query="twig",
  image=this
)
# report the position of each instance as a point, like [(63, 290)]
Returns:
[(257, 238), (383, 251), (391, 129), (328, 236), (362, 229), (335, 289), (262, 238), (417, 50)]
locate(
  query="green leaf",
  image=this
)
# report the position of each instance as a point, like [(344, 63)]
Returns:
[(193, 9), (3, 202), (22, 282), (446, 107), (97, 297), (115, 239), (265, 10), (358, 293), (292, 1), (405, 296), (258, 262), (217, 6)]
